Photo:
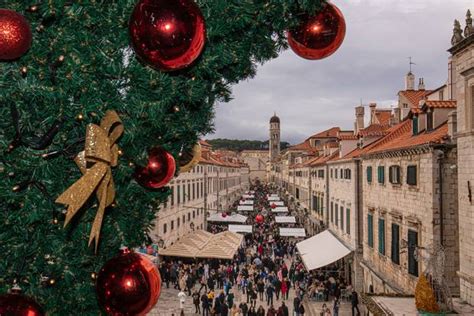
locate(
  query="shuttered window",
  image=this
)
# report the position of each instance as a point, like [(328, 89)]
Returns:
[(412, 245), (332, 212), (369, 174), (415, 125), (381, 174), (342, 218), (394, 174), (395, 244), (411, 175), (382, 236), (348, 221), (370, 230), (336, 210)]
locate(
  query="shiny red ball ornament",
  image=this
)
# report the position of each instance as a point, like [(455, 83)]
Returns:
[(16, 304), (15, 35), (273, 205), (167, 35), (318, 36), (224, 214), (128, 284), (159, 170), (259, 219)]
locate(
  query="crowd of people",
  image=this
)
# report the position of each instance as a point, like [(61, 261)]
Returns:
[(262, 274)]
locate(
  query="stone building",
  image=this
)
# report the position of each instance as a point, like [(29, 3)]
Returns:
[(274, 142), (461, 83), (257, 161), (214, 184)]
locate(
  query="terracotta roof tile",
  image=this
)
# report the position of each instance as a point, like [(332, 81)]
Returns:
[(204, 143), (415, 96), (332, 132), (374, 130), (383, 116), (440, 104), (323, 159)]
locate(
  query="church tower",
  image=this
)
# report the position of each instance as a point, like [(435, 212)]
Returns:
[(274, 143)]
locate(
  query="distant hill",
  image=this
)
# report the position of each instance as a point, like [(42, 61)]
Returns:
[(239, 145)]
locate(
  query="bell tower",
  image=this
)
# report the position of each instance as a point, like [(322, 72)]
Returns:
[(274, 143)]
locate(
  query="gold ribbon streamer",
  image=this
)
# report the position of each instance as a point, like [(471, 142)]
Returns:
[(95, 162)]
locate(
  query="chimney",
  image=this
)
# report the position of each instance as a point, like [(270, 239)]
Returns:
[(421, 84), (395, 116), (359, 123), (452, 124), (372, 106), (410, 81)]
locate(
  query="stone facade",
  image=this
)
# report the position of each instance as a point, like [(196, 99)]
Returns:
[(462, 74), (257, 161)]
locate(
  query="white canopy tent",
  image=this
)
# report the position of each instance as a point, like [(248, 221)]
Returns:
[(250, 192), (292, 232), (285, 219), (278, 203), (321, 250), (235, 218), (246, 202), (248, 196), (273, 198), (245, 208), (274, 194), (280, 209), (247, 229)]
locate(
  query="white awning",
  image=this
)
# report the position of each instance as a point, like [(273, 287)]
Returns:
[(245, 208), (292, 232), (321, 250), (285, 219), (278, 203), (273, 198), (280, 209), (250, 192), (247, 229), (235, 218), (246, 202), (248, 196), (274, 194)]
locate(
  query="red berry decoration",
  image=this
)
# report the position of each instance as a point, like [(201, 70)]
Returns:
[(159, 170), (128, 284), (15, 35), (167, 35), (259, 219), (320, 35), (16, 304)]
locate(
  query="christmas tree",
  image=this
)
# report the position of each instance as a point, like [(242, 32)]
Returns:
[(80, 65)]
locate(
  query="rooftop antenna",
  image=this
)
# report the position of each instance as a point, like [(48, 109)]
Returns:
[(411, 63)]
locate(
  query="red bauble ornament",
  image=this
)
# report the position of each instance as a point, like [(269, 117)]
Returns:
[(320, 35), (159, 170), (16, 304), (15, 35), (128, 284), (273, 205), (167, 34), (259, 219), (224, 214)]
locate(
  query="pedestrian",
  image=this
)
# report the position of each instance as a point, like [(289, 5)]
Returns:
[(355, 303), (205, 305), (230, 299), (271, 311), (224, 309), (260, 311), (244, 308), (301, 309), (196, 298), (335, 308), (283, 310), (235, 311), (260, 288), (284, 289), (296, 306), (252, 311), (182, 299), (270, 291)]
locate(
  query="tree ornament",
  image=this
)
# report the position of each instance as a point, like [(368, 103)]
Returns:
[(15, 35), (189, 159), (318, 36), (167, 35), (95, 162), (128, 284), (273, 206), (159, 170), (259, 219), (224, 214), (16, 304)]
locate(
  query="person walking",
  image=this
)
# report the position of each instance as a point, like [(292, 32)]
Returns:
[(182, 299), (205, 305), (260, 288), (283, 310), (271, 311), (301, 309), (224, 309), (296, 306), (284, 290), (244, 308), (355, 303), (252, 311), (196, 298), (270, 291), (335, 308), (260, 311)]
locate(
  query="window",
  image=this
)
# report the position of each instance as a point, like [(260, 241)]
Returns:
[(172, 225), (381, 174), (348, 221), (411, 175), (395, 244), (412, 246), (332, 212), (177, 222), (321, 174), (348, 173), (405, 105), (172, 196), (429, 120), (382, 236), (415, 125), (179, 194), (336, 211), (370, 230), (394, 174), (331, 173), (369, 174), (189, 216), (165, 228), (189, 191), (184, 219), (342, 218), (297, 193), (342, 173), (335, 173), (315, 203), (184, 193)]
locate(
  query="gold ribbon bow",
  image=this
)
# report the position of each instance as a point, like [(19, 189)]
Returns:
[(95, 162)]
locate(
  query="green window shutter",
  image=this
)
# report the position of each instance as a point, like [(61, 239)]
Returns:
[(412, 245), (369, 174), (370, 230), (411, 175), (415, 125), (382, 236), (342, 218), (336, 210), (395, 244), (332, 212), (381, 174), (348, 221)]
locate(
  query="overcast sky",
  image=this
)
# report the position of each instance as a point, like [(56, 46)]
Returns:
[(310, 96)]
